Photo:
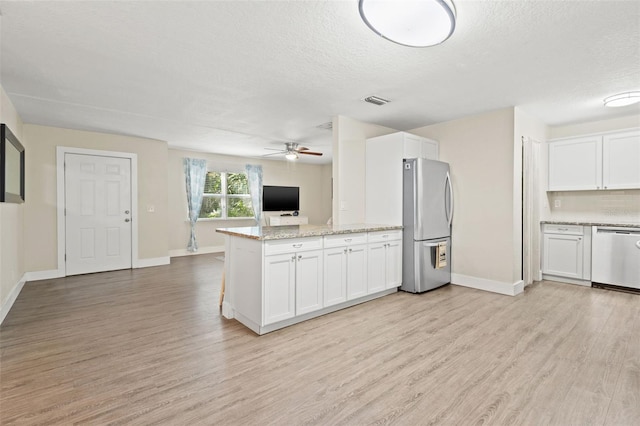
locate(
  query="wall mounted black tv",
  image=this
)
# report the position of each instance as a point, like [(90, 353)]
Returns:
[(280, 198)]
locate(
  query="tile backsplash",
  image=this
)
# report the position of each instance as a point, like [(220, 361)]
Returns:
[(619, 206)]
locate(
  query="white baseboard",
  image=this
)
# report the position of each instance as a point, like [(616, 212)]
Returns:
[(43, 275), (154, 261), (586, 283), (13, 295), (201, 250), (510, 289)]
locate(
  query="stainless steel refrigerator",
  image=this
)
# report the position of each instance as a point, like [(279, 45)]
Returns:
[(427, 213)]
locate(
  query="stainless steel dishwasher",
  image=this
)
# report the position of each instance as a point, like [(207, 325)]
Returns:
[(616, 256)]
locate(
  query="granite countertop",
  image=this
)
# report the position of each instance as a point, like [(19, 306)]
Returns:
[(299, 231), (619, 225)]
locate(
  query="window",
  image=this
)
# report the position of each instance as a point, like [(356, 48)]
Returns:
[(226, 196)]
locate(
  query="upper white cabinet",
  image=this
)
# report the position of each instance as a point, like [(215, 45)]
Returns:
[(595, 162), (384, 154), (621, 160)]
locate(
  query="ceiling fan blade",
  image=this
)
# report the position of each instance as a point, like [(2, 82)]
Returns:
[(274, 153), (302, 148), (310, 153), (275, 149)]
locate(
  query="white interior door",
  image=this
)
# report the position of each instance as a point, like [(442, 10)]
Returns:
[(97, 213)]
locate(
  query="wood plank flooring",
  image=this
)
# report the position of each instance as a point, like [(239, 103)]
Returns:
[(149, 346)]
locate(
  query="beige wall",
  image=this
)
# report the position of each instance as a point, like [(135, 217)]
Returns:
[(622, 206), (315, 194), (349, 144), (480, 150), (40, 212), (12, 265)]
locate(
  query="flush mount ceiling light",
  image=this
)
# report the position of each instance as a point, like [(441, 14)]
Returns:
[(414, 23), (291, 155), (622, 99)]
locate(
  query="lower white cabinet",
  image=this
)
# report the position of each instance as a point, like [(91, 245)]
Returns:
[(279, 287), (345, 273), (566, 253), (292, 285), (385, 265), (563, 255)]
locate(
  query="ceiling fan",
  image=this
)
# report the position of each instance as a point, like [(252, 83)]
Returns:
[(292, 150)]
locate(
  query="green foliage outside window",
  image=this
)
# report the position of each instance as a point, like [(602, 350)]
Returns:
[(238, 206)]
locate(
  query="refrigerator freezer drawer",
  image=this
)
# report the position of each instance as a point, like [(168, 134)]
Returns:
[(420, 272)]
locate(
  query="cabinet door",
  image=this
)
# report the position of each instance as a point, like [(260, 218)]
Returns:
[(356, 271), (621, 161), (335, 276), (376, 269), (279, 287), (575, 164), (563, 255), (393, 264), (412, 146), (308, 281), (430, 149)]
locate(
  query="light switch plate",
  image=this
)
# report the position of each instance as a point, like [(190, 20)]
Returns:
[(151, 209)]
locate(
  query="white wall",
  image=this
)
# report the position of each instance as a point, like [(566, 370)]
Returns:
[(480, 150), (315, 195), (622, 206), (12, 267), (349, 144), (41, 211)]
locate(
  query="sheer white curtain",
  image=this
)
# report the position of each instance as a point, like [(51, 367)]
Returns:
[(531, 209), (195, 173), (254, 178)]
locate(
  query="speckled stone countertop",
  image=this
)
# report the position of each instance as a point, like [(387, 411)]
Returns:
[(619, 225), (299, 231)]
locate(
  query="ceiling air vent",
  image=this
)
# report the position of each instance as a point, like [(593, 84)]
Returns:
[(326, 126), (376, 100)]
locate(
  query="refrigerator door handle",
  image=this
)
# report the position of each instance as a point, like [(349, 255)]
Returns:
[(450, 188)]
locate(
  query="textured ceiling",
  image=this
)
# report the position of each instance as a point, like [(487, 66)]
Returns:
[(234, 77)]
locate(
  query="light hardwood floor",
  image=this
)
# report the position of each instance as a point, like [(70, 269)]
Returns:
[(149, 346)]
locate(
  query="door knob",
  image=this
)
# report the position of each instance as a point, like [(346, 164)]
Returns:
[(127, 220), (126, 212)]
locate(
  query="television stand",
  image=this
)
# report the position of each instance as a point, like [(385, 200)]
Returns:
[(288, 220)]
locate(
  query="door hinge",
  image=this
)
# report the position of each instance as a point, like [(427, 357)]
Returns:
[(65, 257)]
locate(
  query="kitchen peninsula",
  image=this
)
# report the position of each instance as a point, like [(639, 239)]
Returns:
[(279, 276)]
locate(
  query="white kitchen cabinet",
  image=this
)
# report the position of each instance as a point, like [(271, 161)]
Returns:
[(292, 278), (384, 260), (309, 281), (345, 266), (566, 253), (383, 181), (596, 162), (621, 160), (279, 287), (575, 164)]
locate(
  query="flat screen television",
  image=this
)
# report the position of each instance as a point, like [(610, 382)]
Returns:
[(280, 198)]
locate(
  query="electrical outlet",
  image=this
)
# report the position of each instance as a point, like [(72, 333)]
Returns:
[(557, 203), (151, 209), (343, 205)]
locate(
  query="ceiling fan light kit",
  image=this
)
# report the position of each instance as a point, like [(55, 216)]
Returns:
[(622, 99), (292, 151), (413, 23)]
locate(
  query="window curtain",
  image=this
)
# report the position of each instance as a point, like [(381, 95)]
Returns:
[(195, 173), (254, 178)]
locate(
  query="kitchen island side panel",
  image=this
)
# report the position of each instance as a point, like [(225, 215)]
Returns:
[(245, 271)]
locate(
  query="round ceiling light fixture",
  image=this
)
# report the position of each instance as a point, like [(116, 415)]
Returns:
[(414, 23), (622, 99), (291, 155)]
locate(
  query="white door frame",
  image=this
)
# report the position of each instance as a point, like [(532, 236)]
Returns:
[(60, 200)]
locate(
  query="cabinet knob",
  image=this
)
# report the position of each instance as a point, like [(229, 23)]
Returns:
[(349, 250), (293, 257), (299, 256), (345, 250)]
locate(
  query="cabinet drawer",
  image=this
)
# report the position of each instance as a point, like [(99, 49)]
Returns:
[(381, 236), (563, 229), (344, 240), (292, 245)]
